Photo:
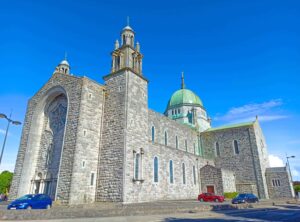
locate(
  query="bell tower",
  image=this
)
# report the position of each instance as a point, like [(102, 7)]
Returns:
[(128, 54), (126, 120)]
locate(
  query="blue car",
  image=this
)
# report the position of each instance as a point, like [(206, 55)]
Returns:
[(245, 198), (31, 201)]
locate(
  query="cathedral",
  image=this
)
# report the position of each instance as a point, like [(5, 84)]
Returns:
[(84, 142)]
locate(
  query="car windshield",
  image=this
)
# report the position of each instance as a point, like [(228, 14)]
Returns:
[(26, 197), (242, 195)]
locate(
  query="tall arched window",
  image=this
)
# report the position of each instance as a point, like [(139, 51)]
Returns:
[(183, 173), (194, 174), (176, 142), (155, 169), (166, 138), (217, 149), (137, 166), (236, 147), (194, 148), (152, 134), (171, 171)]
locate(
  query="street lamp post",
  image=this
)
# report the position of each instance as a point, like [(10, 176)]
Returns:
[(9, 121), (288, 163)]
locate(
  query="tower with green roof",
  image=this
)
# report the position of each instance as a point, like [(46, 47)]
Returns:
[(187, 108)]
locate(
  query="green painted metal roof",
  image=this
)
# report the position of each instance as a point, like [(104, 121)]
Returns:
[(184, 96), (230, 126)]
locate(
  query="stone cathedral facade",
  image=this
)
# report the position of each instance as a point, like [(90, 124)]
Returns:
[(84, 142)]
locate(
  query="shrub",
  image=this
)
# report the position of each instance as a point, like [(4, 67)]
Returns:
[(230, 195), (297, 188)]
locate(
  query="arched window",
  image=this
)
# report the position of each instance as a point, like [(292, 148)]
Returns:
[(176, 142), (194, 148), (178, 111), (236, 147), (183, 173), (194, 174), (217, 149), (171, 171), (155, 169), (153, 134), (137, 166), (175, 111), (124, 40), (172, 112), (166, 138)]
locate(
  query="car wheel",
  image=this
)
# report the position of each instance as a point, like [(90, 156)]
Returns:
[(201, 200), (48, 207), (216, 200), (29, 208)]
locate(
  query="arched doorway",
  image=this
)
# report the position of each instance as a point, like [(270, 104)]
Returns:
[(51, 145)]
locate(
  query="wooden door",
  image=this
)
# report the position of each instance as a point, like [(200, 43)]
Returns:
[(210, 189)]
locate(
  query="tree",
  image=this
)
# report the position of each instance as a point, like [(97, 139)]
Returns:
[(5, 181), (297, 188)]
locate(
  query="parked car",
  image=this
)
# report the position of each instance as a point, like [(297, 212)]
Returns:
[(31, 201), (210, 197), (245, 198)]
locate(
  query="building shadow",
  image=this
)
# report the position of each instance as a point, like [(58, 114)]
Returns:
[(279, 213)]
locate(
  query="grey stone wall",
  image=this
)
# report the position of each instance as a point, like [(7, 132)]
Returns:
[(248, 166), (163, 124), (28, 155), (246, 188), (228, 181), (282, 188), (211, 176), (89, 129), (112, 151)]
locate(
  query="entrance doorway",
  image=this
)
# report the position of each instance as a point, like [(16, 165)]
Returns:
[(210, 189)]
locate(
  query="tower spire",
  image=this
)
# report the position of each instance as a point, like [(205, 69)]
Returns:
[(66, 55), (182, 81), (128, 21)]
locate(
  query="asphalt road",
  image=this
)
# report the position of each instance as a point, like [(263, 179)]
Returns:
[(280, 213)]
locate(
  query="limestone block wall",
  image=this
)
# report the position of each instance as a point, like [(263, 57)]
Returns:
[(89, 129), (247, 165), (211, 176), (148, 190), (32, 130), (112, 149), (139, 124), (260, 151), (228, 181), (163, 124), (246, 188), (279, 183)]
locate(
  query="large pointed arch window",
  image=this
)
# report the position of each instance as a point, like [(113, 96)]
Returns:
[(171, 171), (166, 138), (152, 134), (236, 147), (183, 173), (194, 174), (217, 147), (155, 163), (137, 166)]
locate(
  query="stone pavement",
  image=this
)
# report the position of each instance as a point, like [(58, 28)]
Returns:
[(101, 210)]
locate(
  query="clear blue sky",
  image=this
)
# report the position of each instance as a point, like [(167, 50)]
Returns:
[(241, 57)]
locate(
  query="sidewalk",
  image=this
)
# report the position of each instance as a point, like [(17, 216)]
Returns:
[(118, 209)]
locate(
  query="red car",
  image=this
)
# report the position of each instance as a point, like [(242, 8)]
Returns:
[(210, 197)]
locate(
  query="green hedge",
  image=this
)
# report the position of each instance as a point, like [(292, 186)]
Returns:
[(230, 195)]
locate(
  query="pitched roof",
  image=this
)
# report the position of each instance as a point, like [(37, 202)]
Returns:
[(230, 126)]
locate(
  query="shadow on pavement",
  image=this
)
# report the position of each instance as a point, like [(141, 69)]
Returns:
[(195, 220), (289, 213)]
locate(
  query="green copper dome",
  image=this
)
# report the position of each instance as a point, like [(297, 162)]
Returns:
[(184, 96)]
